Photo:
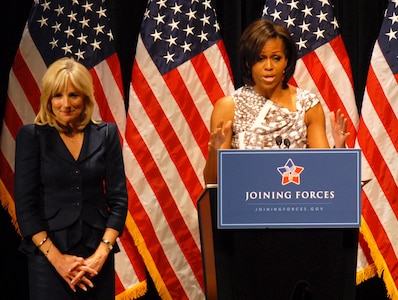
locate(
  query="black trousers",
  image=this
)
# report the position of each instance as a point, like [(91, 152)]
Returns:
[(46, 284)]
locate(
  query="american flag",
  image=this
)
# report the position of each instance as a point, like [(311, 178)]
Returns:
[(79, 29), (323, 65), (181, 68), (378, 139)]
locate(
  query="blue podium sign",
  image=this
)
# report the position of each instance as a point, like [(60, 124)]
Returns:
[(308, 188)]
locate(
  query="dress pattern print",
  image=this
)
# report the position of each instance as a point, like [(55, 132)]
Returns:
[(258, 121)]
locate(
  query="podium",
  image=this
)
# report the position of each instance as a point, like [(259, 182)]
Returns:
[(252, 255)]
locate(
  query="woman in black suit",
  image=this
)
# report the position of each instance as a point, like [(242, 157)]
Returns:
[(70, 190)]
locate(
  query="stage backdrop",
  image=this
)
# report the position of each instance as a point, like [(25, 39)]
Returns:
[(360, 22)]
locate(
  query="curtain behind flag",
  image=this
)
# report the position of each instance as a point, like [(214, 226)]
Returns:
[(378, 139), (56, 29), (180, 69)]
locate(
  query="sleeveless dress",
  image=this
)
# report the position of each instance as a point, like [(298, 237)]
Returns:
[(259, 123)]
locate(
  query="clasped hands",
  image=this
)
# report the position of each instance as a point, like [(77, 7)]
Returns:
[(77, 271), (82, 275)]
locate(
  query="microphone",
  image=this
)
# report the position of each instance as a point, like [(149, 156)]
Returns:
[(278, 141), (286, 142)]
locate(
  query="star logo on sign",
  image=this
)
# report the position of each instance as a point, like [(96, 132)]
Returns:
[(290, 172)]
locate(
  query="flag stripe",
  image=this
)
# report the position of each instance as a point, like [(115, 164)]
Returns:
[(123, 267), (321, 79), (223, 69), (141, 216), (179, 70), (162, 124), (378, 137), (12, 122), (119, 289), (24, 95), (29, 86), (309, 75), (378, 212), (382, 146), (31, 57), (383, 107), (208, 79), (166, 104), (188, 109), (334, 60), (323, 66), (384, 180), (333, 86), (342, 55), (170, 210), (147, 164), (114, 67), (7, 175), (378, 231), (365, 253), (380, 191), (108, 76), (204, 98), (100, 98)]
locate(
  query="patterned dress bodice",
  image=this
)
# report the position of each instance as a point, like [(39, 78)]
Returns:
[(259, 122)]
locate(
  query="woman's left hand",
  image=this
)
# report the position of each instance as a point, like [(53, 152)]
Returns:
[(93, 262), (339, 124), (97, 260)]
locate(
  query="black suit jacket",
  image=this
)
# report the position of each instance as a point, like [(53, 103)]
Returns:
[(73, 200)]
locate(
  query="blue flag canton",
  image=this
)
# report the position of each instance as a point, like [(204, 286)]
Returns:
[(388, 37), (73, 28), (311, 22), (175, 31)]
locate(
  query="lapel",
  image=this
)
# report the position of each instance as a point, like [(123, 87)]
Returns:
[(93, 139)]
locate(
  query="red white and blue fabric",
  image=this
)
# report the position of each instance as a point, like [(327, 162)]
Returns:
[(56, 29), (378, 139), (323, 66), (181, 68)]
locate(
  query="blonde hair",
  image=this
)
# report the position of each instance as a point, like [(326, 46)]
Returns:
[(55, 80)]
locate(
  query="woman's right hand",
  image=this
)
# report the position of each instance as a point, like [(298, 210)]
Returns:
[(73, 270), (219, 135)]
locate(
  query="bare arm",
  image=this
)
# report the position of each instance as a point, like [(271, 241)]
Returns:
[(316, 129), (220, 135)]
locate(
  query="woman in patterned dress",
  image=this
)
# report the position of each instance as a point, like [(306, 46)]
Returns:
[(267, 112)]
